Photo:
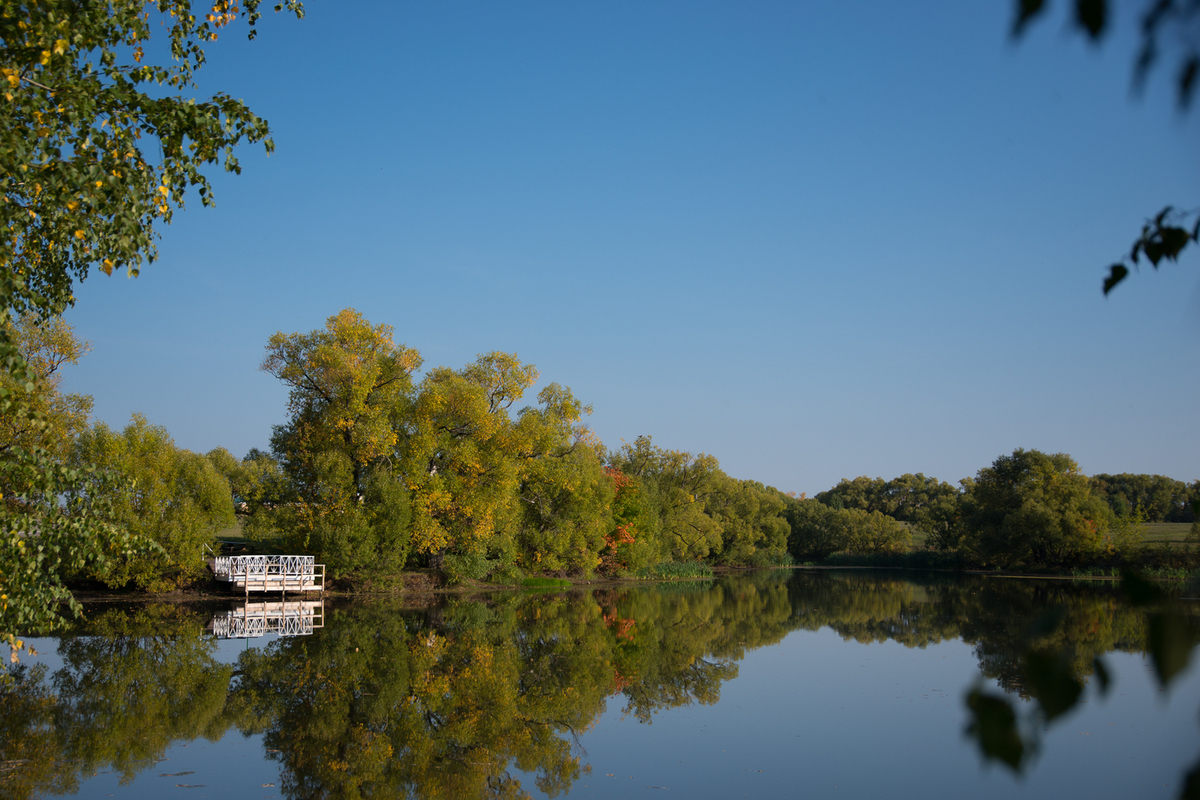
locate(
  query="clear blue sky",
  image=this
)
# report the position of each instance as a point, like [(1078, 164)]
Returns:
[(816, 240)]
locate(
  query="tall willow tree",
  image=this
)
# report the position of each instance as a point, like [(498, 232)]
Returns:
[(348, 381), (565, 496), (463, 456), (679, 486), (351, 385)]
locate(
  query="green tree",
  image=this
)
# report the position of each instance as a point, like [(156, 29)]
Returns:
[(464, 456), (177, 499), (350, 385), (1034, 509), (347, 381), (819, 530), (1159, 498), (753, 530), (565, 496), (94, 153), (869, 494), (54, 418), (678, 485), (927, 503), (55, 522), (633, 542), (873, 532)]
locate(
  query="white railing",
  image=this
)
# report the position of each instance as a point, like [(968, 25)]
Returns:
[(270, 573), (251, 620), (229, 566)]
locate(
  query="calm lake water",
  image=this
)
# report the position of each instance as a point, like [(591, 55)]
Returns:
[(773, 684)]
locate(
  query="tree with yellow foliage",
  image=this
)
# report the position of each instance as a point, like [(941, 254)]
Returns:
[(46, 346), (351, 385), (463, 455), (348, 382)]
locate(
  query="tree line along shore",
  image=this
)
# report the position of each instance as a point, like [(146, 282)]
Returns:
[(375, 472)]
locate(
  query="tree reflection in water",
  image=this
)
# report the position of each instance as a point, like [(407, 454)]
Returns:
[(454, 701), (136, 683)]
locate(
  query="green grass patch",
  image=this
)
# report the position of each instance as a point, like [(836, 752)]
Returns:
[(1172, 533), (1168, 573), (913, 559), (546, 583), (233, 532), (1096, 572), (675, 570), (764, 560), (920, 538)]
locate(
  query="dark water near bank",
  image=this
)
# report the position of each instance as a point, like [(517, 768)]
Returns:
[(773, 684)]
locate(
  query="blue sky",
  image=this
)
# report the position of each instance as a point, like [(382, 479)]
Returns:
[(816, 240)]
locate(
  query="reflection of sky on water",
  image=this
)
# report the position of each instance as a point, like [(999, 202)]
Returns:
[(225, 651), (233, 767), (816, 716)]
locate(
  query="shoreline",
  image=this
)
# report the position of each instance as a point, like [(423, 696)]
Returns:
[(426, 587)]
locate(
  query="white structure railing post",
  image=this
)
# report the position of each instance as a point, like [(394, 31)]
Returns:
[(270, 573)]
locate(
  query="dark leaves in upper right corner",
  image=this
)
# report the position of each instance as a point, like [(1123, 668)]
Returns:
[(1162, 238)]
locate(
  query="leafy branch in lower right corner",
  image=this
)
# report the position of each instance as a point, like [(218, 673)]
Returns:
[(1051, 681)]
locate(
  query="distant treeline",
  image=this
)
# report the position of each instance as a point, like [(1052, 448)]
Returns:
[(917, 499), (375, 473), (1029, 509)]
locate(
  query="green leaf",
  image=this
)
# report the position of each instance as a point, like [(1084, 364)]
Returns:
[(1026, 11), (1051, 681), (1103, 678), (994, 727), (1153, 248), (1187, 81), (1092, 15), (1174, 240), (1191, 784), (1117, 273), (1169, 641)]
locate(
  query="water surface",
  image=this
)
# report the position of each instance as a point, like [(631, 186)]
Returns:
[(772, 684)]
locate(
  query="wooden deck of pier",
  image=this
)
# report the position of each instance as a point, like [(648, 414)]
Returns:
[(269, 573)]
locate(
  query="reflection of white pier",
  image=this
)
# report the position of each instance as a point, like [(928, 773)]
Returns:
[(269, 573), (286, 618)]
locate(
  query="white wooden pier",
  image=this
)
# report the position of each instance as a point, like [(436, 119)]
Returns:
[(285, 618), (269, 573)]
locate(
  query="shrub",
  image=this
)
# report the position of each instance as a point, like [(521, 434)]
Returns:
[(765, 559)]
